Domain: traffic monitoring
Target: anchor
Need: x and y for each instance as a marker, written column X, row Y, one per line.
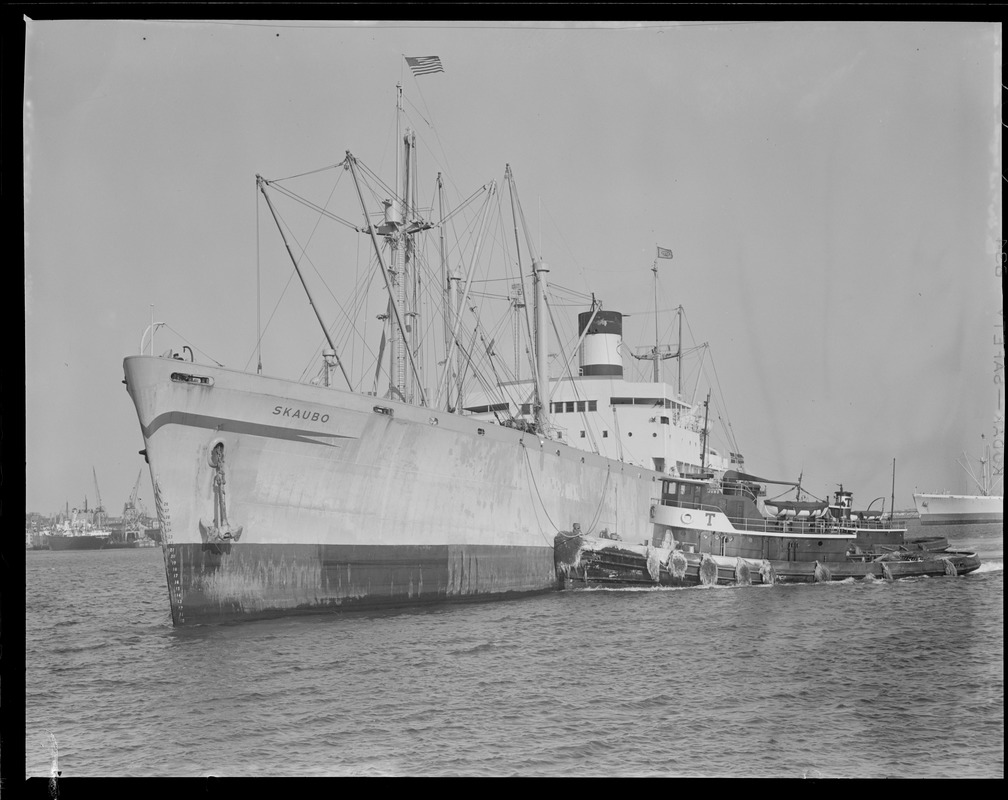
column 219, row 534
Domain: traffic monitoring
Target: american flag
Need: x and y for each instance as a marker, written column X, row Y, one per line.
column 424, row 65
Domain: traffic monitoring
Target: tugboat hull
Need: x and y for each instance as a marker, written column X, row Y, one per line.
column 586, row 561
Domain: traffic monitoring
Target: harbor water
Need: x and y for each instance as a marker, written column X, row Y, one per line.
column 854, row 679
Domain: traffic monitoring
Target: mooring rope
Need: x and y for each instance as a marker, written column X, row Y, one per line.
column 531, row 479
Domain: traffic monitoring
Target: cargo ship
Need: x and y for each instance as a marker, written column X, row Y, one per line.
column 77, row 531
column 277, row 496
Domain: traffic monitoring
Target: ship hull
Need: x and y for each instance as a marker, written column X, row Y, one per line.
column 950, row 509
column 77, row 542
column 276, row 497
column 225, row 583
column 584, row 562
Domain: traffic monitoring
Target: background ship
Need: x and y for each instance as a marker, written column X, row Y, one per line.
column 944, row 508
column 93, row 529
column 79, row 529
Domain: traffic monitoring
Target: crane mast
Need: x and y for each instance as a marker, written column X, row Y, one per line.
column 99, row 512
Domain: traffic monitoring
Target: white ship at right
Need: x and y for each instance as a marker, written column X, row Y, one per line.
column 943, row 508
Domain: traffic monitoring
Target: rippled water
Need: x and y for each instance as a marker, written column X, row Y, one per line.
column 869, row 679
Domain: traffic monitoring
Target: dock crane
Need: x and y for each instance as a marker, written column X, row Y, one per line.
column 131, row 513
column 99, row 512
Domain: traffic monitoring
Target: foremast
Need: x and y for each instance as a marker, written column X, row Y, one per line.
column 541, row 391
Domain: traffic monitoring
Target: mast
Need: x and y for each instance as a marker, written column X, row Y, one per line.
column 519, row 288
column 539, row 270
column 892, row 499
column 679, row 355
column 262, row 183
column 453, row 345
column 409, row 303
column 455, row 311
column 986, row 468
column 540, row 400
column 657, row 355
column 398, row 133
column 448, row 280
column 395, row 220
column 518, row 303
column 399, row 326
column 703, row 436
column 657, row 368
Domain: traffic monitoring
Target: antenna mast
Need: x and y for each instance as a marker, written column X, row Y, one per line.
column 657, row 357
column 703, row 437
column 892, row 500
column 679, row 354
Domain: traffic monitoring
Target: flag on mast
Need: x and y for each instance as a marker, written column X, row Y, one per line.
column 664, row 252
column 424, row 65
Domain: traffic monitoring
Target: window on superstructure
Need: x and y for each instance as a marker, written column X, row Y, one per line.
column 580, row 405
column 593, row 405
column 605, row 434
column 664, row 420
column 526, row 408
column 582, row 434
column 488, row 409
column 570, row 406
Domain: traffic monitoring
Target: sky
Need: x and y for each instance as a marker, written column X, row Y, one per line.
column 831, row 193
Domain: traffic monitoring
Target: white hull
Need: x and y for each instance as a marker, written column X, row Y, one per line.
column 340, row 500
column 953, row 509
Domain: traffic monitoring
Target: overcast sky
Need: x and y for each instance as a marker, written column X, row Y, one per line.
column 831, row 192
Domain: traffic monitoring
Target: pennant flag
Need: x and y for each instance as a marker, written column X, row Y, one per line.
column 424, row 65
column 664, row 252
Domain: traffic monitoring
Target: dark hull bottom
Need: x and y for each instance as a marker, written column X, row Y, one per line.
column 614, row 567
column 77, row 542
column 959, row 519
column 219, row 582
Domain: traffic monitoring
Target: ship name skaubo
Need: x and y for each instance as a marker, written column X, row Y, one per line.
column 297, row 413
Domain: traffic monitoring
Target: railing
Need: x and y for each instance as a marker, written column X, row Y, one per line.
column 796, row 527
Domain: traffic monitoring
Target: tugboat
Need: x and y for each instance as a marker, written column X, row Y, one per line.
column 710, row 530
